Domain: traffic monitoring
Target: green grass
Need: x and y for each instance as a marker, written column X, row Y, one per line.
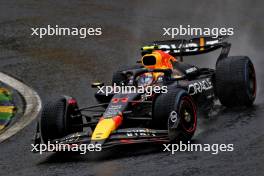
column 4, row 97
column 5, row 116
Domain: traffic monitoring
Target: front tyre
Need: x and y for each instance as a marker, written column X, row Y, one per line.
column 59, row 118
column 176, row 112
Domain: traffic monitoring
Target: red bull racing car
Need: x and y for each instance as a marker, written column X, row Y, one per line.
column 167, row 115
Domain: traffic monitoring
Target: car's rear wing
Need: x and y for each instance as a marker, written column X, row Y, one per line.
column 183, row 47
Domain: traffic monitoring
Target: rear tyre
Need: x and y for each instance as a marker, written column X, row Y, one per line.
column 176, row 112
column 118, row 78
column 57, row 119
column 235, row 81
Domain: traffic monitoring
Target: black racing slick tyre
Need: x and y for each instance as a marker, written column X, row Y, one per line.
column 57, row 120
column 235, row 81
column 176, row 112
column 118, row 78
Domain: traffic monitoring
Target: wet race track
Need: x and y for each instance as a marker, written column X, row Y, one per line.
column 67, row 65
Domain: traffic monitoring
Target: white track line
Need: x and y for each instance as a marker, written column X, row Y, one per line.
column 32, row 106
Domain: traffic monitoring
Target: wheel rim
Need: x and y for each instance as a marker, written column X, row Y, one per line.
column 187, row 114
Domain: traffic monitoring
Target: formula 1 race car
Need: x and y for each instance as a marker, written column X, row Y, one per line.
column 167, row 115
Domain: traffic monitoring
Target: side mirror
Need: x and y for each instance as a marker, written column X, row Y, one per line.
column 96, row 84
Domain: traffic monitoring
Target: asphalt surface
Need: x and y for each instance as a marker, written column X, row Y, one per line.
column 67, row 65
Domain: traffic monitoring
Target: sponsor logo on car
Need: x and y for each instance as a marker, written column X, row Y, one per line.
column 199, row 86
column 190, row 70
column 140, row 132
